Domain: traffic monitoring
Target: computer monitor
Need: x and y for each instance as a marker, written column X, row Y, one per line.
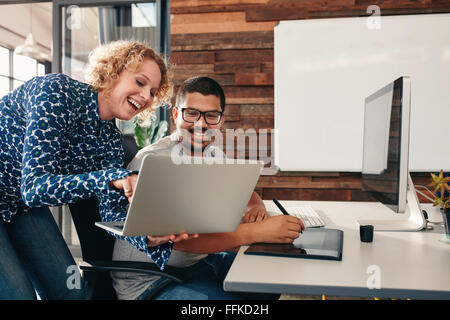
column 385, row 172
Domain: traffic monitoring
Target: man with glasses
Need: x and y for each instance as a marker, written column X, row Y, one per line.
column 198, row 113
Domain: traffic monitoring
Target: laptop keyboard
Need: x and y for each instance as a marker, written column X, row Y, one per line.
column 308, row 215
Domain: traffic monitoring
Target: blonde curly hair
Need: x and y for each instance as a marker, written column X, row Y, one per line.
column 107, row 61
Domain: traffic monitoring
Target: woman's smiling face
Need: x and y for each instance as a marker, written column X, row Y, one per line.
column 132, row 93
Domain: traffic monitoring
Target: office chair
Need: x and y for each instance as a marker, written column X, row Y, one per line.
column 97, row 248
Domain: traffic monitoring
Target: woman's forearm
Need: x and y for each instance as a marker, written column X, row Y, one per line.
column 52, row 189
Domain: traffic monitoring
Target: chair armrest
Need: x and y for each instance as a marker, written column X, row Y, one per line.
column 175, row 274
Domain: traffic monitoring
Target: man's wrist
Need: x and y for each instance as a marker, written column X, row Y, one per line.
column 245, row 234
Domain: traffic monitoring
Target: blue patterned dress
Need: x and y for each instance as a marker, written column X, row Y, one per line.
column 55, row 149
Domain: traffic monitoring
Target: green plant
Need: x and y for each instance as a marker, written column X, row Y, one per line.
column 150, row 130
column 441, row 189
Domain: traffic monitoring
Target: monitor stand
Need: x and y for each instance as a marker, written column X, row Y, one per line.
column 411, row 220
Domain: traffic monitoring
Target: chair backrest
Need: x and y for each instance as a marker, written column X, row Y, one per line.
column 95, row 243
column 130, row 148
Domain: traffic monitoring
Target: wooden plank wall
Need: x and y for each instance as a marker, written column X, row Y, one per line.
column 232, row 41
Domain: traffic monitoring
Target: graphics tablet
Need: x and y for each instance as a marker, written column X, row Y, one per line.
column 322, row 243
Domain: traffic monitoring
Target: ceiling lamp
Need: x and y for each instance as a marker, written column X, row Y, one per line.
column 30, row 48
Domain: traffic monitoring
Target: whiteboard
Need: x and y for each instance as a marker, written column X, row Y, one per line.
column 325, row 68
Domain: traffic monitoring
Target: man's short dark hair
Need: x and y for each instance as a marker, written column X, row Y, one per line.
column 204, row 85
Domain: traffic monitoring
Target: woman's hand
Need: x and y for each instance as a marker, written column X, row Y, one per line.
column 156, row 241
column 126, row 184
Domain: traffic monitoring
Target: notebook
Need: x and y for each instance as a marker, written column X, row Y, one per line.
column 324, row 244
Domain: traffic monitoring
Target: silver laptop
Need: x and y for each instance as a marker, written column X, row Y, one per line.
column 194, row 196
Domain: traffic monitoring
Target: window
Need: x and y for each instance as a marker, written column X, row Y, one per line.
column 4, row 71
column 16, row 69
column 82, row 27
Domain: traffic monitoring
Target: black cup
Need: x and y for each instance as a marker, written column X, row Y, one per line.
column 366, row 233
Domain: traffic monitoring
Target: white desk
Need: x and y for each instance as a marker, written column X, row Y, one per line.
column 411, row 264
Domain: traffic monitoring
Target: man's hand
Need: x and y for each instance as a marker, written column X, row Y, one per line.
column 156, row 241
column 277, row 229
column 255, row 214
column 126, row 184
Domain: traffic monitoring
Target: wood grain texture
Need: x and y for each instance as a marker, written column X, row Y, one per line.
column 216, row 22
column 189, row 6
column 255, row 55
column 309, row 3
column 222, row 41
column 256, row 122
column 223, row 79
column 256, row 110
column 254, row 79
column 249, row 92
column 274, row 14
column 310, row 182
column 192, row 68
column 307, row 194
column 244, row 100
column 237, row 67
column 192, row 57
column 212, row 8
column 267, row 67
column 246, row 123
column 232, row 113
column 361, row 12
column 395, row 3
column 199, row 3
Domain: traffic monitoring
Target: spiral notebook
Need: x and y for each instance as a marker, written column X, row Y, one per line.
column 322, row 243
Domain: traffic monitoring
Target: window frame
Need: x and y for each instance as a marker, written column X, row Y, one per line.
column 11, row 77
column 163, row 28
column 163, row 19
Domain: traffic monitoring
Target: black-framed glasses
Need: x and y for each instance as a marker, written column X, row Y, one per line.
column 192, row 115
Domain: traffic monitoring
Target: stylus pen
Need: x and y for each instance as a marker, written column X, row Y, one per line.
column 282, row 209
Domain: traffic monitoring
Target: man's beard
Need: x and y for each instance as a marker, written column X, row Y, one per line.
column 196, row 148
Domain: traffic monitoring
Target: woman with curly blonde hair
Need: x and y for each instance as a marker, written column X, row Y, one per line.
column 58, row 145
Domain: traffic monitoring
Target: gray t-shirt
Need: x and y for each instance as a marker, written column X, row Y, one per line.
column 130, row 286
